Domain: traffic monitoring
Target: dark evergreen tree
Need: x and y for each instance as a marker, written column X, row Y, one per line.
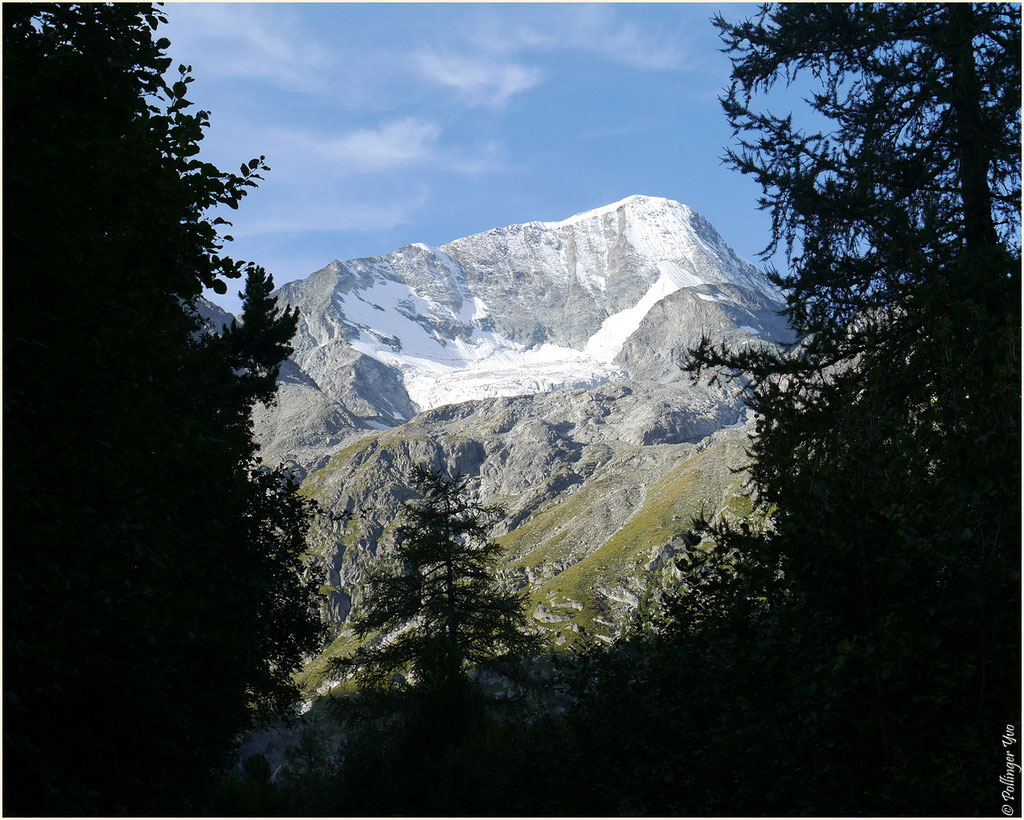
column 153, row 599
column 882, row 598
column 435, row 610
column 439, row 598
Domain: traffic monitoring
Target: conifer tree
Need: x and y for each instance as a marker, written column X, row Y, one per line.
column 887, row 454
column 439, row 601
column 154, row 596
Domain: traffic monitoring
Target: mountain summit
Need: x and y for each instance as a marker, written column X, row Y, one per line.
column 543, row 361
column 516, row 310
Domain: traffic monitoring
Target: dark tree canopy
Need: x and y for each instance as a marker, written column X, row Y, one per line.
column 887, row 456
column 439, row 596
column 154, row 599
column 921, row 163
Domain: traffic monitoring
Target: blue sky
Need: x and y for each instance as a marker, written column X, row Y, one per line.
column 386, row 124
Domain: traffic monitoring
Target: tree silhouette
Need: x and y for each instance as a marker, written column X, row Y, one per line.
column 887, row 455
column 438, row 602
column 154, row 600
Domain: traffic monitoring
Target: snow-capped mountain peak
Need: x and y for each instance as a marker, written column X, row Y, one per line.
column 634, row 202
column 518, row 309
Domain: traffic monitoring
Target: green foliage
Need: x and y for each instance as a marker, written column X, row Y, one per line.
column 887, row 586
column 154, row 599
column 436, row 612
column 439, row 597
column 853, row 646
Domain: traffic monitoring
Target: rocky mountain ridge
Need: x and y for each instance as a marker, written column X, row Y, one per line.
column 543, row 360
column 512, row 311
column 597, row 486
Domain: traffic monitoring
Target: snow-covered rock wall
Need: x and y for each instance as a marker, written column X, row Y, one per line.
column 516, row 310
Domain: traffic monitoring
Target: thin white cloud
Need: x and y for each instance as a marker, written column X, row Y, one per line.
column 598, row 28
column 331, row 215
column 480, row 80
column 629, row 46
column 401, row 143
column 493, row 57
column 489, row 158
column 589, row 28
column 261, row 42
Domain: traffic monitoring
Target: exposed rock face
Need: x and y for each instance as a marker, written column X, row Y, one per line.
column 616, row 293
column 214, row 317
column 312, row 418
column 737, row 315
column 543, row 360
column 597, row 486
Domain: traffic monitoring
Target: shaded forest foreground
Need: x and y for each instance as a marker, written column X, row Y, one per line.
column 853, row 648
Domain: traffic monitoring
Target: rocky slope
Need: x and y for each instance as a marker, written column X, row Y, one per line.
column 598, row 486
column 615, row 293
column 543, row 360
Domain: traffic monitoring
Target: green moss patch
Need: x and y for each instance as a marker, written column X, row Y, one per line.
column 315, row 673
column 702, row 483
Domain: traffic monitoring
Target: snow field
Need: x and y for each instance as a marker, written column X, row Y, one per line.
column 443, row 353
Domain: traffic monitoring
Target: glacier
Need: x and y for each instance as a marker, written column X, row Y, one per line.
column 603, row 303
column 393, row 322
column 527, row 308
